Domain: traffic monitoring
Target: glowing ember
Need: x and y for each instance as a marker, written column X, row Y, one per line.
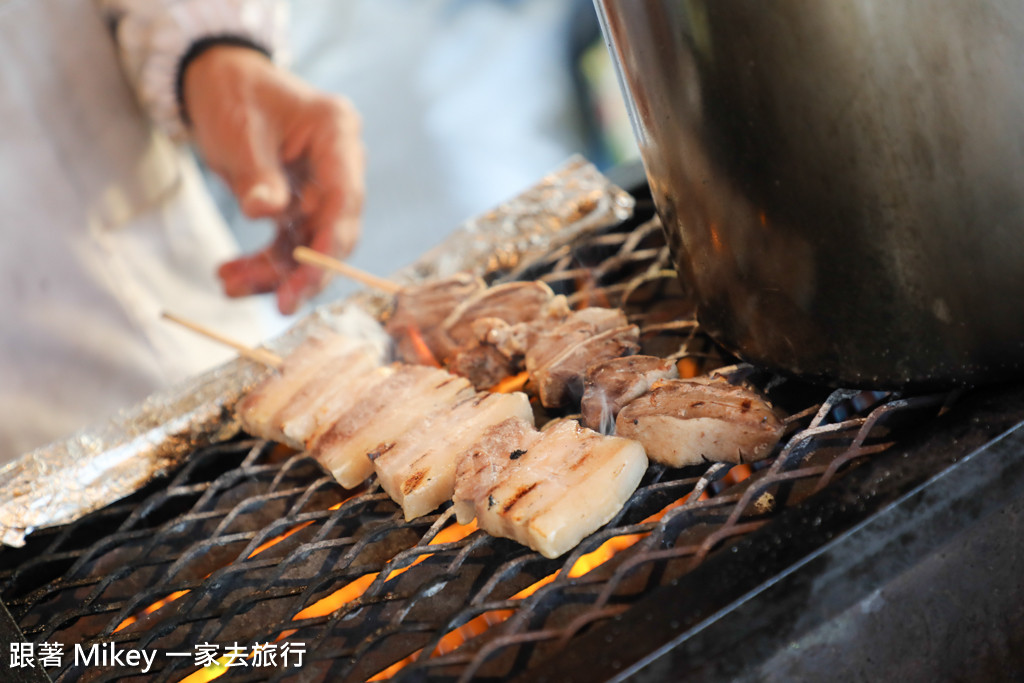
column 688, row 368
column 354, row 590
column 152, row 608
column 424, row 356
column 208, row 673
column 510, row 384
column 277, row 539
column 716, row 238
column 737, row 474
column 474, row 627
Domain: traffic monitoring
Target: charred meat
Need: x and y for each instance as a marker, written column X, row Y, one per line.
column 611, row 384
column 691, row 421
column 416, row 320
column 409, row 396
column 418, row 468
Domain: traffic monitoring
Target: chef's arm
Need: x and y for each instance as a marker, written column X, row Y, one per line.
column 208, row 71
column 157, row 38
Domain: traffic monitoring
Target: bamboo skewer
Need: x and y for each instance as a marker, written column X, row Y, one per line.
column 259, row 355
column 315, row 258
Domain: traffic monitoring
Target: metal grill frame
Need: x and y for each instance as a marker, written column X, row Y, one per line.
column 229, row 517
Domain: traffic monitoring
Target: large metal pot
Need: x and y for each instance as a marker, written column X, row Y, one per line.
column 842, row 181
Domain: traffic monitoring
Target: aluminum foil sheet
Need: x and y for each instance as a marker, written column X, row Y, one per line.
column 62, row 481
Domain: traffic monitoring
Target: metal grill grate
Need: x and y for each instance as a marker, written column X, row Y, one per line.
column 205, row 538
column 241, row 543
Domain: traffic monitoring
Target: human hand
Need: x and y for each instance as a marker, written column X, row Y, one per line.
column 288, row 152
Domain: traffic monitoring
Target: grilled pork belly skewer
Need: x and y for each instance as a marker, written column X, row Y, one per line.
column 410, row 395
column 292, row 403
column 431, row 437
column 418, row 314
column 418, row 469
column 692, row 421
column 547, row 490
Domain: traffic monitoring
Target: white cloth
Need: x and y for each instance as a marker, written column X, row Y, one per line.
column 105, row 224
column 154, row 35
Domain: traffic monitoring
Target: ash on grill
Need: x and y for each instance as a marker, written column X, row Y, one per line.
column 249, row 543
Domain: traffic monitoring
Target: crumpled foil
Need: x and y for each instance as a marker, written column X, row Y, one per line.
column 60, row 482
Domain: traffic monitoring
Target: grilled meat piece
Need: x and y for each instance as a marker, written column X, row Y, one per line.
column 611, row 384
column 264, row 409
column 577, row 327
column 512, row 302
column 419, row 312
column 418, row 469
column 514, row 340
column 344, row 391
column 482, row 364
column 560, row 355
column 498, row 348
column 560, row 382
column 411, row 394
column 547, row 490
column 690, row 421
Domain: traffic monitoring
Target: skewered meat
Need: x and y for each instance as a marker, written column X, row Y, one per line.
column 513, row 302
column 560, row 381
column 263, row 410
column 418, row 469
column 411, row 394
column 689, row 421
column 342, row 393
column 498, row 347
column 611, row 384
column 577, row 327
column 483, row 364
column 421, row 310
column 514, row 340
column 547, row 490
column 558, row 356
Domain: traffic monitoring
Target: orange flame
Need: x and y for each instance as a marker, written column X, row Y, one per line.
column 716, row 238
column 150, row 609
column 511, row 383
column 688, row 367
column 474, row 627
column 424, row 356
column 353, row 590
column 737, row 474
column 208, row 673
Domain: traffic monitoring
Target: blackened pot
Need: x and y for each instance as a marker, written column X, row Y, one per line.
column 841, row 181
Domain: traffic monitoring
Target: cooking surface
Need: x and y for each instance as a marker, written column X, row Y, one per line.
column 244, row 538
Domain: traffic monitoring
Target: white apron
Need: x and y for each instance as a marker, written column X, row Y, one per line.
column 104, row 224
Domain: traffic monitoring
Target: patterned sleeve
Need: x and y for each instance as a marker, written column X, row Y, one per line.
column 157, row 37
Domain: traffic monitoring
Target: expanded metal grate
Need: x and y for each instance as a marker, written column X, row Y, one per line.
column 251, row 544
